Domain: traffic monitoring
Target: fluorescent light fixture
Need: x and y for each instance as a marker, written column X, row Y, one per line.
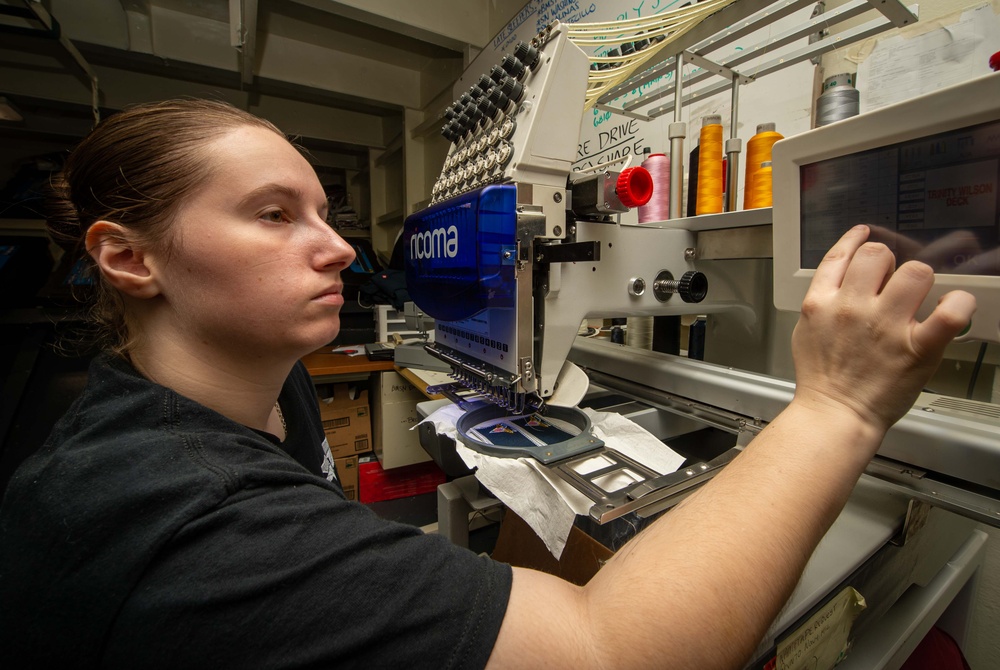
column 8, row 112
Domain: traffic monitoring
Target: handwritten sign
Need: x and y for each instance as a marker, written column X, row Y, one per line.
column 822, row 641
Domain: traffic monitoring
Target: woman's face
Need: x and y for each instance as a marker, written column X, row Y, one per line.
column 252, row 263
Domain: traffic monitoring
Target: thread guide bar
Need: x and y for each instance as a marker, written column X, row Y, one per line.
column 812, row 26
column 740, row 19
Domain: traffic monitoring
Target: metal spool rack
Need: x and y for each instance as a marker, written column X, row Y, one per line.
column 703, row 47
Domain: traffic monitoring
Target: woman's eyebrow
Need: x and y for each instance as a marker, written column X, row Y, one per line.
column 270, row 190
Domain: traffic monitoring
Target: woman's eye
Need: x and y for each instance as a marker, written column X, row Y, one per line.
column 275, row 216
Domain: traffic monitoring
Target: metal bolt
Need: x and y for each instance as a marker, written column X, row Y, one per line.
column 557, row 196
column 557, row 231
column 507, row 255
column 636, row 286
column 689, row 254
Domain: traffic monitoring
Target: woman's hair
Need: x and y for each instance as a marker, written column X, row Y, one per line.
column 135, row 169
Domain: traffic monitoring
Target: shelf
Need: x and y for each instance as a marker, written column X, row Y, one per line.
column 744, row 218
column 322, row 363
column 390, row 217
column 392, row 151
column 15, row 226
column 360, row 178
column 363, row 234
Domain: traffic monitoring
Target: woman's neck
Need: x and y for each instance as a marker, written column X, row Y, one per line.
column 241, row 387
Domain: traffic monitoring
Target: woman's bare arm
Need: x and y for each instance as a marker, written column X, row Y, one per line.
column 699, row 588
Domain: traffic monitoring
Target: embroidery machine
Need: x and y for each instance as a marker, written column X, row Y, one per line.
column 516, row 250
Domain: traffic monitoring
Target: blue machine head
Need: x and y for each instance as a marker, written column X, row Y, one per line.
column 460, row 254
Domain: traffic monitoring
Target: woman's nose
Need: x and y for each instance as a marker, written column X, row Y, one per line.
column 334, row 251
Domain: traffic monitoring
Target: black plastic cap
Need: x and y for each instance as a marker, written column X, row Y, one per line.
column 527, row 54
column 693, row 286
column 512, row 66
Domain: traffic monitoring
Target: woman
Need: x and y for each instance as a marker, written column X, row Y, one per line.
column 184, row 512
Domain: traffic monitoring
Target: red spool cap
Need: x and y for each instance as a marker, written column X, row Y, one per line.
column 634, row 187
column 995, row 61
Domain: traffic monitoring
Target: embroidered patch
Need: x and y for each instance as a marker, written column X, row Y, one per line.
column 328, row 467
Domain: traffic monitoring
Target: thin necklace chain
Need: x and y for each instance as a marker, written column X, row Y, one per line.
column 281, row 417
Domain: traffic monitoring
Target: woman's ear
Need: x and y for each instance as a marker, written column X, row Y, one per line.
column 122, row 263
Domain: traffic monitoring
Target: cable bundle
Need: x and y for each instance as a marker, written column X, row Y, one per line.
column 640, row 41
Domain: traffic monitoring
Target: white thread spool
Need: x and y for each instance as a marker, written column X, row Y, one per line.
column 640, row 332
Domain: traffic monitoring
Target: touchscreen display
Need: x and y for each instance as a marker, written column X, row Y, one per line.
column 935, row 199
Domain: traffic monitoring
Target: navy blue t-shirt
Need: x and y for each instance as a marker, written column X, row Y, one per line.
column 151, row 531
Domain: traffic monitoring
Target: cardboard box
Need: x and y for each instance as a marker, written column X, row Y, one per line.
column 376, row 484
column 517, row 544
column 346, row 421
column 347, row 474
column 393, row 415
column 392, row 387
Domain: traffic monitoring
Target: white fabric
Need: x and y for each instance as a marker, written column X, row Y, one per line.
column 546, row 503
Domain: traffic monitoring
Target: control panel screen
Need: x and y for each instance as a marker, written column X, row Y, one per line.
column 935, row 199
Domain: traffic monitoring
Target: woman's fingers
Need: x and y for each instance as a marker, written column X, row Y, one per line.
column 869, row 271
column 830, row 274
column 953, row 313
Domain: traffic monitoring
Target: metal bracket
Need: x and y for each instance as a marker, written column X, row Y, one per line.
column 895, row 12
column 574, row 252
column 457, row 393
column 712, row 66
column 917, row 512
column 921, row 486
column 530, row 224
column 652, row 494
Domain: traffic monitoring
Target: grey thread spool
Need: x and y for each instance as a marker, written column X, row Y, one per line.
column 839, row 100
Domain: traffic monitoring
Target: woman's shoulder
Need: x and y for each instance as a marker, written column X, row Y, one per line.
column 125, row 425
column 131, row 447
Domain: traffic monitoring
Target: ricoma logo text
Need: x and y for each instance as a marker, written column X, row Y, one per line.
column 436, row 243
